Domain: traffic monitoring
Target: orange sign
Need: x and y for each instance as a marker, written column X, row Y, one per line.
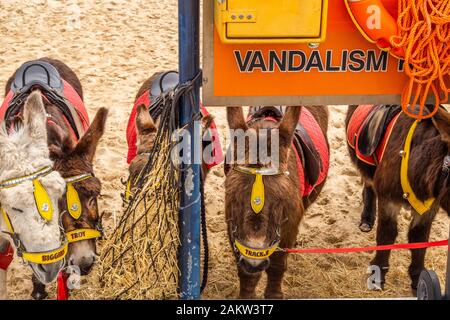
column 345, row 69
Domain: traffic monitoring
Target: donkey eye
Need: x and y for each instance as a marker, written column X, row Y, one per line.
column 92, row 201
column 17, row 210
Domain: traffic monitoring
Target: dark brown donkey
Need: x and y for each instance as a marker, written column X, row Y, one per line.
column 428, row 173
column 277, row 224
column 73, row 157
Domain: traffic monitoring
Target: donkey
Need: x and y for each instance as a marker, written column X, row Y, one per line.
column 29, row 193
column 427, row 172
column 73, row 156
column 143, row 126
column 264, row 203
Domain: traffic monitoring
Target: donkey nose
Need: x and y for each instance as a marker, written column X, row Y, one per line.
column 85, row 263
column 254, row 266
column 48, row 272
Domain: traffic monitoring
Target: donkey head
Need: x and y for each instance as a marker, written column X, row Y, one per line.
column 75, row 160
column 146, row 134
column 30, row 190
column 260, row 194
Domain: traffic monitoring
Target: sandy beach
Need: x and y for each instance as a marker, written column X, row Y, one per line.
column 113, row 46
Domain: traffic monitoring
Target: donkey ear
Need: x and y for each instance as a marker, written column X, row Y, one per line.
column 235, row 117
column 34, row 115
column 88, row 143
column 144, row 121
column 288, row 125
column 441, row 121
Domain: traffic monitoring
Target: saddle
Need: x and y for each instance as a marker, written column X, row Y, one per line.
column 303, row 143
column 163, row 83
column 374, row 127
column 45, row 77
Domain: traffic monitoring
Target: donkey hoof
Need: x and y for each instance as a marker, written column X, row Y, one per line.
column 274, row 296
column 39, row 295
column 365, row 227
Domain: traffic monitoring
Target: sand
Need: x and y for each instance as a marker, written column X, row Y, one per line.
column 114, row 45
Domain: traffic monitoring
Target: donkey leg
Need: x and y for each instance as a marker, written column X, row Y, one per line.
column 39, row 292
column 275, row 273
column 419, row 231
column 386, row 234
column 247, row 284
column 3, row 294
column 369, row 212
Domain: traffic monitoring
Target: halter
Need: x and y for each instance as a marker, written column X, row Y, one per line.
column 257, row 201
column 74, row 209
column 45, row 209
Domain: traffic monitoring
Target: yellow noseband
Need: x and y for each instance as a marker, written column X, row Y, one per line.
column 45, row 257
column 82, row 234
column 257, row 254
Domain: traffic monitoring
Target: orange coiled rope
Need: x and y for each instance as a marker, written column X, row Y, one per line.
column 424, row 35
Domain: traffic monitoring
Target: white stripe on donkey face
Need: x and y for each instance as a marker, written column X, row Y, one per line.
column 30, row 206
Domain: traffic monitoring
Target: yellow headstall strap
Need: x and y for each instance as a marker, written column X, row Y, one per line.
column 408, row 193
column 257, row 254
column 8, row 222
column 46, row 257
column 82, row 234
column 41, row 197
column 257, row 197
column 43, row 201
column 128, row 193
column 73, row 199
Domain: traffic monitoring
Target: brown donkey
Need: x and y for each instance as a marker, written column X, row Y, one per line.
column 264, row 204
column 427, row 173
column 143, row 126
column 72, row 146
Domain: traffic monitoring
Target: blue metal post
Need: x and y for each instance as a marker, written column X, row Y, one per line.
column 189, row 64
column 447, row 278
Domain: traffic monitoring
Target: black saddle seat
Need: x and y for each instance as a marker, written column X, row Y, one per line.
column 304, row 145
column 165, row 82
column 374, row 127
column 39, row 73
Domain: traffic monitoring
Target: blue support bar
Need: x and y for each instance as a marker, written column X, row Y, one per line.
column 447, row 278
column 189, row 64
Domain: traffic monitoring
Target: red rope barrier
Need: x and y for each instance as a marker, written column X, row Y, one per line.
column 399, row 246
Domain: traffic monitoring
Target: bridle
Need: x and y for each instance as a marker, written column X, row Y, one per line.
column 45, row 209
column 257, row 201
column 74, row 209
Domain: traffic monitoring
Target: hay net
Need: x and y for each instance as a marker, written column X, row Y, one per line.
column 139, row 259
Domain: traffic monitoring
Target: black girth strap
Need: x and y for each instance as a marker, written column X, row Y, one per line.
column 45, row 77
